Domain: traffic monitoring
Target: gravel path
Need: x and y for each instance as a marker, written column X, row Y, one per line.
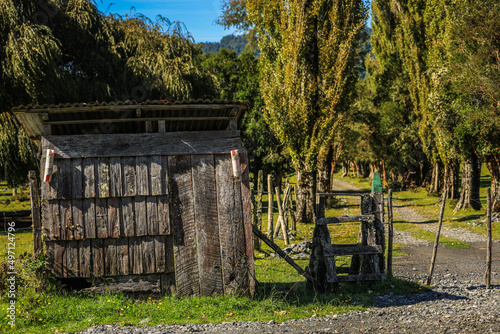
column 458, row 303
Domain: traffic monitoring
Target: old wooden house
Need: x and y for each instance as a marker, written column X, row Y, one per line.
column 143, row 196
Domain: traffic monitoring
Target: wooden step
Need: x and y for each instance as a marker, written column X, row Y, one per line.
column 352, row 250
column 344, row 219
column 357, row 278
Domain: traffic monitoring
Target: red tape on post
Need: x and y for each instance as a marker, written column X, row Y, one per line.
column 235, row 157
column 49, row 166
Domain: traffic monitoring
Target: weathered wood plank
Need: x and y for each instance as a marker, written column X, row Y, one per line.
column 127, row 222
column 163, row 215
column 183, row 225
column 142, row 176
column 47, row 224
column 89, row 218
column 63, row 178
column 135, row 255
column 116, row 180
column 128, row 284
column 50, row 255
column 155, row 173
column 207, row 227
column 89, row 178
column 345, row 219
column 152, row 215
column 59, row 254
column 104, row 145
column 247, row 221
column 110, row 259
column 129, row 175
column 103, row 178
column 85, row 256
column 54, row 220
column 169, row 254
column 77, row 178
column 97, row 257
column 114, row 217
column 122, row 256
column 67, row 220
column 148, row 255
column 101, row 214
column 159, row 244
column 72, row 259
column 141, row 221
column 353, row 250
column 231, row 227
column 78, row 225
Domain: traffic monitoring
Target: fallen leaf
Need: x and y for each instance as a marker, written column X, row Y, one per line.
column 280, row 312
column 230, row 314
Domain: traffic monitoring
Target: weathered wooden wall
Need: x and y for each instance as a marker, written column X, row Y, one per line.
column 109, row 213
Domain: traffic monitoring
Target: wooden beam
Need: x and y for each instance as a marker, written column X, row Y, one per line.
column 358, row 278
column 35, row 213
column 141, row 119
column 344, row 219
column 353, row 250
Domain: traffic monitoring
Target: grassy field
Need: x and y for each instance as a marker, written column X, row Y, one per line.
column 7, row 201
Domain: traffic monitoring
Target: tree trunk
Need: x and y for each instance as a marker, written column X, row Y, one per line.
column 471, row 178
column 494, row 168
column 435, row 184
column 359, row 169
column 345, row 168
column 14, row 194
column 306, row 194
column 450, row 180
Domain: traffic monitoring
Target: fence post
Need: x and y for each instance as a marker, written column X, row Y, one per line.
column 281, row 219
column 391, row 234
column 35, row 213
column 436, row 242
column 270, row 207
column 260, row 187
column 489, row 241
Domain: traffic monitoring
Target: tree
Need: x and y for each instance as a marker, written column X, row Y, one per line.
column 305, row 49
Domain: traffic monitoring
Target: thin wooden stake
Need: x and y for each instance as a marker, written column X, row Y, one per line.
column 281, row 216
column 256, row 241
column 260, row 188
column 291, row 211
column 391, row 234
column 284, row 210
column 436, row 242
column 270, row 207
column 487, row 275
column 35, row 213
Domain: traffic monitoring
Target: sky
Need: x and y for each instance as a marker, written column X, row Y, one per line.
column 199, row 16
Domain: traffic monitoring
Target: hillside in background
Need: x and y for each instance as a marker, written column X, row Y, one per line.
column 231, row 42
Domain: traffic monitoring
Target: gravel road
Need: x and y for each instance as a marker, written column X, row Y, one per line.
column 457, row 303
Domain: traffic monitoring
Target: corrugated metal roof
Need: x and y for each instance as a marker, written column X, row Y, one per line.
column 127, row 116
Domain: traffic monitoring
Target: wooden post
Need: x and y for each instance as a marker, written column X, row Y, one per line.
column 281, row 216
column 489, row 240
column 291, row 211
column 378, row 196
column 35, row 213
column 260, row 188
column 256, row 242
column 436, row 242
column 270, row 207
column 391, row 234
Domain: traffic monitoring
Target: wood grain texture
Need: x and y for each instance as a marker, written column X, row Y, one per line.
column 155, row 176
column 141, row 222
column 85, row 257
column 50, row 255
column 78, row 225
column 89, row 218
column 97, row 257
column 169, row 254
column 89, row 178
column 72, row 260
column 148, row 255
column 231, row 228
column 152, row 215
column 142, row 176
column 58, row 268
column 127, row 145
column 207, row 227
column 159, row 244
column 54, row 220
column 127, row 227
column 116, row 179
column 66, row 219
column 247, row 220
column 101, row 214
column 163, row 215
column 103, row 178
column 114, row 217
column 110, row 259
column 135, row 255
column 129, row 177
column 63, row 178
column 183, row 225
column 122, row 256
column 77, row 178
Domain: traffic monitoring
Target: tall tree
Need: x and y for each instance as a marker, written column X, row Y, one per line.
column 305, row 49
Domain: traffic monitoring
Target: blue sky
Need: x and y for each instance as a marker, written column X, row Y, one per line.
column 198, row 15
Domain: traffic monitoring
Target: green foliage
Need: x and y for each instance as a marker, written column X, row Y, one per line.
column 231, row 42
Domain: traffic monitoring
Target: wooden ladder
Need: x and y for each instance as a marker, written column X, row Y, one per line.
column 367, row 262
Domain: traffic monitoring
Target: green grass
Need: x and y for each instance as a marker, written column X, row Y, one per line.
column 23, row 243
column 8, row 203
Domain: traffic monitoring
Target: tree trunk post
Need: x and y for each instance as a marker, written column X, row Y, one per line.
column 256, row 241
column 489, row 240
column 270, row 207
column 436, row 242
column 390, row 234
column 260, row 188
column 291, row 211
column 35, row 213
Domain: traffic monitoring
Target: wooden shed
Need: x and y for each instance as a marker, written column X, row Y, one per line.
column 143, row 195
